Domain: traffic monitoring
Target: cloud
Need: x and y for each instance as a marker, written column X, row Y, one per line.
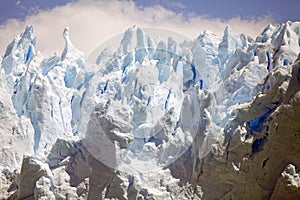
column 92, row 22
column 178, row 5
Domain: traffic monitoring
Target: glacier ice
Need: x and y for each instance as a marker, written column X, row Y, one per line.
column 139, row 103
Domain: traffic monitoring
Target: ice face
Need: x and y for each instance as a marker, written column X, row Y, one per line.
column 41, row 89
column 150, row 82
column 143, row 100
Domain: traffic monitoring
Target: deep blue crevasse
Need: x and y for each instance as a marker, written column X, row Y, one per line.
column 167, row 100
column 256, row 124
column 201, row 84
column 258, row 144
column 29, row 55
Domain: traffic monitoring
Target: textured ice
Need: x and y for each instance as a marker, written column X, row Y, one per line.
column 138, row 103
column 148, row 87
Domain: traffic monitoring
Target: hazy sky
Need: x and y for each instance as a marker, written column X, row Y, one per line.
column 94, row 21
column 279, row 10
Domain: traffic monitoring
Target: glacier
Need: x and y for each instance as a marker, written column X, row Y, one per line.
column 142, row 116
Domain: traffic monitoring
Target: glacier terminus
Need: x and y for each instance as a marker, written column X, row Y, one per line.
column 153, row 115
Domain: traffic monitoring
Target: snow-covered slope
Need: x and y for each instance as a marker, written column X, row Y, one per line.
column 145, row 119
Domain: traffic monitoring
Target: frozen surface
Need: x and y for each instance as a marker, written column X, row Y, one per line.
column 140, row 104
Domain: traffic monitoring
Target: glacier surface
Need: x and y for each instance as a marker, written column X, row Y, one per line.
column 139, row 105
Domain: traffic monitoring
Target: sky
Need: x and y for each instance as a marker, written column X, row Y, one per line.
column 92, row 22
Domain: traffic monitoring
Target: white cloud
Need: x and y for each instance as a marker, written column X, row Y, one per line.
column 178, row 5
column 93, row 22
